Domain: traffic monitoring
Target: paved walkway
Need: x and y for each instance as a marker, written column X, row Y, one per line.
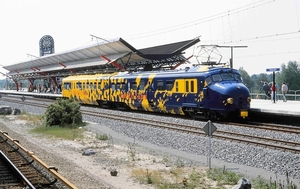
column 279, row 107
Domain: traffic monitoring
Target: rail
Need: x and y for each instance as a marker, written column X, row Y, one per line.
column 16, row 170
column 51, row 169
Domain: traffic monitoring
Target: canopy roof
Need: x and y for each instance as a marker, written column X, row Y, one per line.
column 107, row 56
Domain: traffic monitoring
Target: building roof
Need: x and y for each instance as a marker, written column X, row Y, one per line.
column 107, row 56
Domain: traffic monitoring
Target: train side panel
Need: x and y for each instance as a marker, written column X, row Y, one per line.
column 167, row 93
column 87, row 89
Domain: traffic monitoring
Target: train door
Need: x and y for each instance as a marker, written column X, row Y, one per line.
column 207, row 82
column 149, row 91
column 66, row 89
column 141, row 92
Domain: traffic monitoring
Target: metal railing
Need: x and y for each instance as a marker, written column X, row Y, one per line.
column 295, row 96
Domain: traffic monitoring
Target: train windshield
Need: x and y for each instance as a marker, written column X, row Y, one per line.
column 227, row 77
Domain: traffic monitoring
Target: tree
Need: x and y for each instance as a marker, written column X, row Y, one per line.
column 64, row 112
column 246, row 78
column 290, row 74
column 259, row 81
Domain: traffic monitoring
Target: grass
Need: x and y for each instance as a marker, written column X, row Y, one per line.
column 176, row 178
column 31, row 118
column 202, row 179
column 68, row 132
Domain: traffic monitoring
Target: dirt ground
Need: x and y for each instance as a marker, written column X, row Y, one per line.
column 127, row 159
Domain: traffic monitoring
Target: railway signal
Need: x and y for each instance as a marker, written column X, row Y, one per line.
column 209, row 128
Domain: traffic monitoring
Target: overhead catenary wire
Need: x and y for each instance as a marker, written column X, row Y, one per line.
column 201, row 20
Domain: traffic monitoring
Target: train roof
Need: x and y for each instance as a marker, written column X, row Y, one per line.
column 205, row 70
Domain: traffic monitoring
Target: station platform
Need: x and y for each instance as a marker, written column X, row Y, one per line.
column 280, row 108
column 34, row 94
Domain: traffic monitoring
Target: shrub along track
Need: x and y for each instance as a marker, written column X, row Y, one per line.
column 268, row 142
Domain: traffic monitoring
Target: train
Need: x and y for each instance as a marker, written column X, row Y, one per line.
column 209, row 92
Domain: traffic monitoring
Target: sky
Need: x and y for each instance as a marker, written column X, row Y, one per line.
column 265, row 33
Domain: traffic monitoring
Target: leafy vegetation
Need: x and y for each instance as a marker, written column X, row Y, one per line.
column 289, row 74
column 64, row 112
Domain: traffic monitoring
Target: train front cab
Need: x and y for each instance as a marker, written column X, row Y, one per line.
column 226, row 95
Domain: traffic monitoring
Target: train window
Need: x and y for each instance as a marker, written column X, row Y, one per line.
column 187, row 86
column 123, row 86
column 227, row 76
column 79, row 85
column 238, row 77
column 169, row 85
column 217, row 77
column 66, row 85
column 95, row 85
column 105, row 85
column 134, row 86
column 142, row 85
column 176, row 86
column 113, row 86
column 192, row 86
column 208, row 80
column 99, row 85
column 160, row 85
column 91, row 86
column 118, row 86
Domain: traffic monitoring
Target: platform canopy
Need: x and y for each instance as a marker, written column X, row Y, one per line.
column 105, row 57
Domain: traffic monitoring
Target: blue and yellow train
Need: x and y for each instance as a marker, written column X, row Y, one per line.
column 200, row 91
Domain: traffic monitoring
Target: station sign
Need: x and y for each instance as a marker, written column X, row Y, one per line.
column 273, row 69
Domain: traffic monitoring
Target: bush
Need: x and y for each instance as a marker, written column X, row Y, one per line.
column 64, row 112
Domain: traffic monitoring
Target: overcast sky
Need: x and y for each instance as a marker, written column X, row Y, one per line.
column 269, row 28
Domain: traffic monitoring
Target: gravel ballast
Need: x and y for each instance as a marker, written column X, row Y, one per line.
column 248, row 160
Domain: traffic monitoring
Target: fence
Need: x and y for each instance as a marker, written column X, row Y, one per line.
column 289, row 96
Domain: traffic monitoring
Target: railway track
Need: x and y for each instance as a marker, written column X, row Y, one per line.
column 197, row 130
column 10, row 176
column 268, row 142
column 23, row 169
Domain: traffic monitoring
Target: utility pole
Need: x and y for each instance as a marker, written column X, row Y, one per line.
column 232, row 47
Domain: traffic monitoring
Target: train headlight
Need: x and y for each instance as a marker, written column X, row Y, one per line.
column 249, row 99
column 229, row 101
